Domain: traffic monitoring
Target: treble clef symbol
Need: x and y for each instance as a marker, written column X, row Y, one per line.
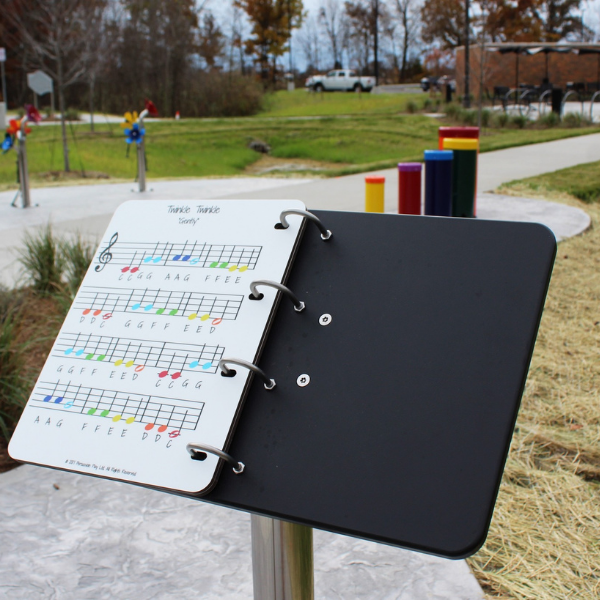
column 106, row 255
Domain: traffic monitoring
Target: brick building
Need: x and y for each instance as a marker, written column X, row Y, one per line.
column 507, row 64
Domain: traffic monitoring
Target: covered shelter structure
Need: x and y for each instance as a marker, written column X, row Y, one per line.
column 523, row 65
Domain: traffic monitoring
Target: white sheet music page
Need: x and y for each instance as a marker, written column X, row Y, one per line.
column 133, row 374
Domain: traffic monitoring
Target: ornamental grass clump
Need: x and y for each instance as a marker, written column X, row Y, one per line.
column 53, row 266
column 78, row 256
column 43, row 262
column 13, row 385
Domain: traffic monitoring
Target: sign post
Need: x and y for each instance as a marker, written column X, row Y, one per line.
column 40, row 84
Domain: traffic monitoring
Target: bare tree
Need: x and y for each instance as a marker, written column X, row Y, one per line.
column 236, row 39
column 409, row 24
column 211, row 41
column 55, row 38
column 333, row 21
column 309, row 39
column 96, row 44
column 390, row 32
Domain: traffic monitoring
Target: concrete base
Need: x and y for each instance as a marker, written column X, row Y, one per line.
column 71, row 536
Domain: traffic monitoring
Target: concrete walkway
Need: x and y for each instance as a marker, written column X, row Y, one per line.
column 69, row 536
column 87, row 209
column 495, row 168
column 66, row 536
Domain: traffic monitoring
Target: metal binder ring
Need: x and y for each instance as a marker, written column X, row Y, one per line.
column 193, row 449
column 325, row 233
column 269, row 383
column 256, row 295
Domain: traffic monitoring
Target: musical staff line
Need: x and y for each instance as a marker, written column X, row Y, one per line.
column 172, row 359
column 151, row 411
column 102, row 301
column 131, row 256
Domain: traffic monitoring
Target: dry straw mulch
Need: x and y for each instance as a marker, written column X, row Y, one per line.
column 544, row 542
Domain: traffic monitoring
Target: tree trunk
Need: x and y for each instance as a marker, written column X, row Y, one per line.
column 404, row 57
column 166, row 83
column 63, row 110
column 92, row 81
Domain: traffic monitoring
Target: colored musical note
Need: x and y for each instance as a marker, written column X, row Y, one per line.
column 130, row 267
column 106, row 255
column 150, row 411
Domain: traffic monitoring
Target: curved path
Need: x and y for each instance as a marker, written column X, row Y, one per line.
column 69, row 536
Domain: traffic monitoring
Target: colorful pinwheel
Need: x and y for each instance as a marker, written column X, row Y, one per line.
column 8, row 143
column 151, row 108
column 134, row 134
column 32, row 113
column 14, row 126
column 131, row 128
column 130, row 119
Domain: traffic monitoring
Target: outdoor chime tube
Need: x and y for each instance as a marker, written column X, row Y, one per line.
column 141, row 155
column 22, row 164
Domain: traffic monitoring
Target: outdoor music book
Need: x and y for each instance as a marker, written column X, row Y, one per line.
column 398, row 384
column 133, row 375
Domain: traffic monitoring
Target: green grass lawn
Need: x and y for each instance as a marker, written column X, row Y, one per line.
column 377, row 135
column 301, row 103
column 582, row 181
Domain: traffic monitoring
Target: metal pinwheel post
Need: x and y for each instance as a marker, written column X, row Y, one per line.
column 135, row 133
column 22, row 164
column 16, row 133
column 141, row 154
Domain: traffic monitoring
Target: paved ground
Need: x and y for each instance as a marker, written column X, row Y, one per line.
column 66, row 536
column 69, row 536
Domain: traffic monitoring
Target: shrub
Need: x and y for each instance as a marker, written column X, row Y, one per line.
column 453, row 111
column 43, row 261
column 486, row 117
column 520, row 121
column 575, row 120
column 72, row 114
column 412, row 107
column 550, row 119
column 501, row 119
column 78, row 256
column 13, row 388
column 469, row 117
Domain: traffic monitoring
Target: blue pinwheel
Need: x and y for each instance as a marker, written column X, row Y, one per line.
column 8, row 143
column 134, row 134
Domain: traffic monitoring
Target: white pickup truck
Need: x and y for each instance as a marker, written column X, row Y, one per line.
column 340, row 81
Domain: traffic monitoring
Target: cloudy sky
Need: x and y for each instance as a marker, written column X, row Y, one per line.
column 222, row 10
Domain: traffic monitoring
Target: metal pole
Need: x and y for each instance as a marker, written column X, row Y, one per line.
column 4, row 85
column 290, row 35
column 141, row 167
column 376, row 44
column 282, row 560
column 141, row 155
column 467, row 98
column 23, row 168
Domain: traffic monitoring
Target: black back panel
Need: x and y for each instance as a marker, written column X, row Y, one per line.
column 402, row 433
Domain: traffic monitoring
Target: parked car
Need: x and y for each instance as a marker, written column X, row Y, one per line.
column 437, row 83
column 344, row 80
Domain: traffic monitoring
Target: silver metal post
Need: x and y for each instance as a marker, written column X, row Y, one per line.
column 141, row 155
column 282, row 560
column 141, row 167
column 23, row 168
column 4, row 99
